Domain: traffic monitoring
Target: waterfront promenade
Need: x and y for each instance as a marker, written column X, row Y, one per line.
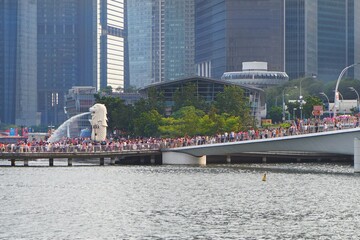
column 145, row 150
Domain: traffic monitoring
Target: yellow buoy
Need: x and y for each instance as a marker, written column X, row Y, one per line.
column 264, row 177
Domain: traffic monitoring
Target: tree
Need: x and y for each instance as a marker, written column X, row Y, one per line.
column 308, row 107
column 119, row 115
column 188, row 96
column 148, row 124
column 233, row 102
column 275, row 114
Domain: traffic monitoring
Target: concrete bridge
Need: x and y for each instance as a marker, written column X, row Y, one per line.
column 334, row 143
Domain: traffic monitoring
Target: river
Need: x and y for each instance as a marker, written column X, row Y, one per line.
column 297, row 201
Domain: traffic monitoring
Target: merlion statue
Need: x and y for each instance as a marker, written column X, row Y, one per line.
column 98, row 122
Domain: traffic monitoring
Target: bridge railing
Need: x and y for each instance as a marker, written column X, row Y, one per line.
column 79, row 148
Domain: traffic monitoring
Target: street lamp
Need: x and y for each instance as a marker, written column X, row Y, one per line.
column 357, row 94
column 301, row 101
column 327, row 98
column 336, row 98
column 294, row 109
column 283, row 105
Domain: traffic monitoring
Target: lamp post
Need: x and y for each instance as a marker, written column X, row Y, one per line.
column 301, row 101
column 328, row 101
column 357, row 100
column 283, row 105
column 336, row 97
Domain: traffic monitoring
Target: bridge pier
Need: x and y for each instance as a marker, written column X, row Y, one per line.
column 228, row 159
column 263, row 159
column 356, row 155
column 112, row 161
column 69, row 162
column 12, row 162
column 174, row 158
column 51, row 162
column 102, row 161
column 26, row 162
column 152, row 160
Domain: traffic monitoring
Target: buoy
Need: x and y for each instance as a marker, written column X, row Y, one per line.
column 264, row 177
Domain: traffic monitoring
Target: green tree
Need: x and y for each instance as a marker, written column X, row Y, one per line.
column 189, row 120
column 148, row 124
column 119, row 115
column 275, row 114
column 188, row 96
column 233, row 102
column 308, row 107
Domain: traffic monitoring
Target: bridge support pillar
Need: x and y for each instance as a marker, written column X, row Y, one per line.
column 12, row 162
column 26, row 162
column 142, row 160
column 102, row 161
column 356, row 155
column 174, row 158
column 228, row 159
column 263, row 159
column 112, row 161
column 51, row 162
column 152, row 159
column 69, row 162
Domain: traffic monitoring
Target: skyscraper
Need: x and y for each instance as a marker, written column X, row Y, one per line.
column 18, row 62
column 321, row 38
column 301, row 54
column 230, row 32
column 110, row 40
column 161, row 40
column 80, row 43
column 335, row 37
column 61, row 60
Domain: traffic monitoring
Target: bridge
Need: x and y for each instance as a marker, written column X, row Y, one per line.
column 333, row 143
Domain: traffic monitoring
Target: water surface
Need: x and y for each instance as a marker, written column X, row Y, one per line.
column 298, row 201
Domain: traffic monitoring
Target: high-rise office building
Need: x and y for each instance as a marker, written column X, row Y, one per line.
column 18, row 103
column 63, row 54
column 301, row 38
column 161, row 40
column 230, row 32
column 111, row 41
column 321, row 38
column 335, row 37
column 80, row 43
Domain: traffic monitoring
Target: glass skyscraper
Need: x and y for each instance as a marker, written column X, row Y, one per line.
column 301, row 38
column 110, row 39
column 18, row 99
column 335, row 37
column 161, row 40
column 230, row 32
column 321, row 38
column 80, row 43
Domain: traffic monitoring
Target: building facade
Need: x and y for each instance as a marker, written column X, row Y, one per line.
column 161, row 40
column 65, row 54
column 110, row 43
column 256, row 74
column 80, row 43
column 208, row 88
column 18, row 63
column 229, row 32
column 321, row 38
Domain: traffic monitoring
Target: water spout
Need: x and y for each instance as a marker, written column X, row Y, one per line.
column 63, row 129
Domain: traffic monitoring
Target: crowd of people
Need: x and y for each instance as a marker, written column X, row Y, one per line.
column 116, row 143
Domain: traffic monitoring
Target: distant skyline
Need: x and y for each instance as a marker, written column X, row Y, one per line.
column 49, row 46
